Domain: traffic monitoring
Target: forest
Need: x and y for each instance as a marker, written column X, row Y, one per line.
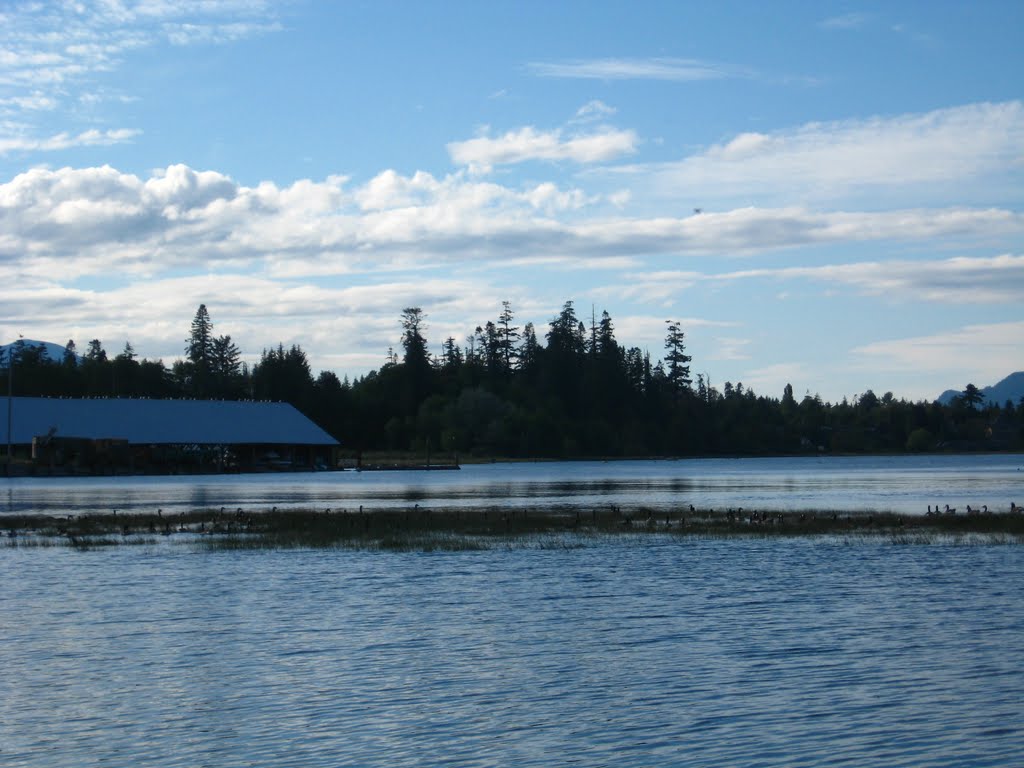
column 508, row 392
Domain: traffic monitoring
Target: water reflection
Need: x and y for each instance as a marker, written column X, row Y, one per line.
column 900, row 484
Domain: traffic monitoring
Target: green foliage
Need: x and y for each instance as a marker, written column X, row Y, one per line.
column 920, row 440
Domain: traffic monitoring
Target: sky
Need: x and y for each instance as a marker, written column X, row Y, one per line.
column 827, row 195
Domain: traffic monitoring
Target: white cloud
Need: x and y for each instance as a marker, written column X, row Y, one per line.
column 657, row 287
column 90, row 138
column 846, row 21
column 664, row 68
column 949, row 150
column 730, row 348
column 959, row 280
column 29, row 102
column 483, row 152
column 983, row 352
column 594, row 110
column 207, row 34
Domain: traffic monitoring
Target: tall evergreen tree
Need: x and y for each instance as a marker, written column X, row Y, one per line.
column 199, row 346
column 678, row 373
column 70, row 356
column 508, row 337
column 566, row 334
column 489, row 345
column 125, row 372
column 199, row 349
column 283, row 375
column 604, row 340
column 415, row 345
column 96, row 370
column 225, row 368
column 417, row 371
column 451, row 355
column 528, row 348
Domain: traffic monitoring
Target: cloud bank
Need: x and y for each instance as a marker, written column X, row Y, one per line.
column 94, row 220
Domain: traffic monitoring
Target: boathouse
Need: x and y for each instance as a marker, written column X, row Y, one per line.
column 158, row 436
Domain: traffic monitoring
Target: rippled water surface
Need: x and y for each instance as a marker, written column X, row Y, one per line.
column 639, row 652
column 904, row 484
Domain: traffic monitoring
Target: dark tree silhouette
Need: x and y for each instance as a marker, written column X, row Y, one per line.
column 678, row 361
column 972, row 396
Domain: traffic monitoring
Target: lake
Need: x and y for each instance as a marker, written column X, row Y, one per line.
column 646, row 651
column 903, row 484
column 631, row 650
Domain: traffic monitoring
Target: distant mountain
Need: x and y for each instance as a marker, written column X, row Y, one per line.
column 1011, row 388
column 53, row 351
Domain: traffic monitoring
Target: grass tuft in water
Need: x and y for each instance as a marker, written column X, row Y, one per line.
column 423, row 529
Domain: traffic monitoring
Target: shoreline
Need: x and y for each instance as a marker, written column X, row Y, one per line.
column 385, row 461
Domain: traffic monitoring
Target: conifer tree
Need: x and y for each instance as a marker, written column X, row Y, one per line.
column 508, row 337
column 199, row 349
column 70, row 357
column 678, row 373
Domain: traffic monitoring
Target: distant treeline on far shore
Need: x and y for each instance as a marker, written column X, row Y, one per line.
column 575, row 392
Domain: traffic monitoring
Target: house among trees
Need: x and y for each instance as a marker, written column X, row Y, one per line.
column 108, row 435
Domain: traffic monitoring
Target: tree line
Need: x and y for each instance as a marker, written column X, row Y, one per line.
column 509, row 391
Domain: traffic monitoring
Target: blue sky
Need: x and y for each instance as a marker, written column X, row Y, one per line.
column 823, row 194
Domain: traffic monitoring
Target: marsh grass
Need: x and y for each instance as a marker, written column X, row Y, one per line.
column 423, row 529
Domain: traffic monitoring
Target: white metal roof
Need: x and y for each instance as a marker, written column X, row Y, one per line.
column 154, row 422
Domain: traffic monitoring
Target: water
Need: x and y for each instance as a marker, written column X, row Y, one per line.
column 648, row 651
column 904, row 484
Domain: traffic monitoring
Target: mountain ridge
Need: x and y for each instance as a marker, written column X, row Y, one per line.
column 1010, row 388
column 54, row 352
